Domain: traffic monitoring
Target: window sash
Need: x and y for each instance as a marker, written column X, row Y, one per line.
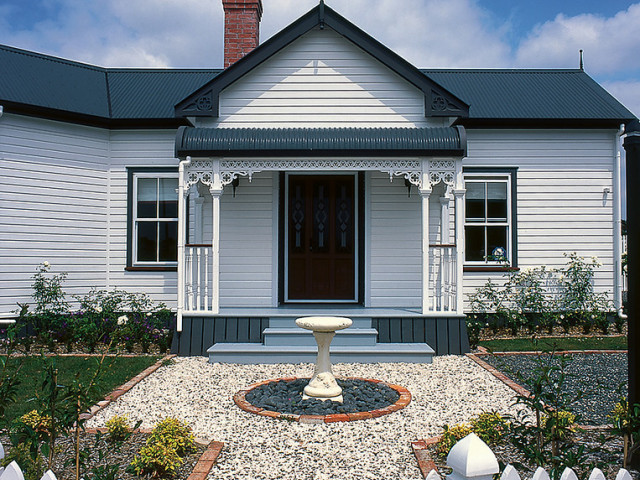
column 487, row 223
column 170, row 224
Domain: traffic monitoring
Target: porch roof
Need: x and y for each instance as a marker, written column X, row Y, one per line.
column 315, row 142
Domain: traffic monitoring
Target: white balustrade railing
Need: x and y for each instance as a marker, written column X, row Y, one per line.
column 442, row 278
column 472, row 459
column 197, row 278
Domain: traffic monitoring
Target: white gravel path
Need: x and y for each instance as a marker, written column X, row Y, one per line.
column 448, row 391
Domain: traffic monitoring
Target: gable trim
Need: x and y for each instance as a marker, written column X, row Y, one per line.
column 439, row 102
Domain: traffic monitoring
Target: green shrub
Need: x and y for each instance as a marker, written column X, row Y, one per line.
column 450, row 436
column 558, row 425
column 118, row 427
column 490, row 426
column 157, row 459
column 36, row 421
column 172, row 431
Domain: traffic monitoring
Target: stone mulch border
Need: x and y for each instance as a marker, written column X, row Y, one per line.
column 403, row 401
column 122, row 389
column 209, row 456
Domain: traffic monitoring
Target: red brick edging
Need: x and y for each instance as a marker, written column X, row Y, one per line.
column 403, row 401
column 206, row 462
column 122, row 389
column 520, row 390
column 421, row 452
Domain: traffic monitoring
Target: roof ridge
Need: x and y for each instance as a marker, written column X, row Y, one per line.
column 52, row 58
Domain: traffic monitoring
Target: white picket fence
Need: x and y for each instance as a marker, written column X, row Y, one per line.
column 13, row 471
column 472, row 459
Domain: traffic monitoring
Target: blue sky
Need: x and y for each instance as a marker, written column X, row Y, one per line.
column 428, row 33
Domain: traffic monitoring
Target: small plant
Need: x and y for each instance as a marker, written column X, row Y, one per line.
column 157, row 459
column 118, row 427
column 170, row 440
column 36, row 421
column 558, row 425
column 173, row 431
column 474, row 328
column 450, row 436
column 625, row 421
column 490, row 426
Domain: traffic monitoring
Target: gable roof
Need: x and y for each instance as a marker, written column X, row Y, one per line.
column 37, row 84
column 438, row 101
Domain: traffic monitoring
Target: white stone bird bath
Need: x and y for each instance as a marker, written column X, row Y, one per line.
column 323, row 385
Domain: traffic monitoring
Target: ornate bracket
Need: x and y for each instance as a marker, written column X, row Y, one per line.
column 442, row 171
column 229, row 176
column 199, row 171
column 413, row 176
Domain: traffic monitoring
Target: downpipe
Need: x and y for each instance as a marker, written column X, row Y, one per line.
column 617, row 223
column 181, row 238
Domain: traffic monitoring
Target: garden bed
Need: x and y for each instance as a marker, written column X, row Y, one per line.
column 120, row 456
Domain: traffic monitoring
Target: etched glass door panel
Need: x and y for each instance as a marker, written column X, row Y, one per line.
column 321, row 238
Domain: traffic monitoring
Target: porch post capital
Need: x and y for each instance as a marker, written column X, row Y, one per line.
column 459, row 192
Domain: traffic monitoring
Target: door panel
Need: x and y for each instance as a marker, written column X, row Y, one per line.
column 321, row 238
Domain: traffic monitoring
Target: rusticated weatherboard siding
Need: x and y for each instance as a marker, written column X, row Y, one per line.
column 562, row 175
column 136, row 148
column 53, row 205
column 322, row 80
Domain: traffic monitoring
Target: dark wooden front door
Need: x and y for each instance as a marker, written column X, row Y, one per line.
column 321, row 238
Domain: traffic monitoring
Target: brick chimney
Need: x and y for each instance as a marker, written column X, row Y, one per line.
column 241, row 28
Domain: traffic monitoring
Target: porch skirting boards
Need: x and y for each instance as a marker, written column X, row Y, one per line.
column 277, row 339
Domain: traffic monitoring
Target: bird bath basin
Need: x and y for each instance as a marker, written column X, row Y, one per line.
column 323, row 385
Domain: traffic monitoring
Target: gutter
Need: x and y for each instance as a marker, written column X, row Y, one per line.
column 617, row 225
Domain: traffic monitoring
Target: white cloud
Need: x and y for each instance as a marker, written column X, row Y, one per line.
column 609, row 44
column 627, row 92
column 428, row 33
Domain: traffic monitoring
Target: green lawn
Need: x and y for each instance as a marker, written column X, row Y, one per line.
column 555, row 343
column 116, row 371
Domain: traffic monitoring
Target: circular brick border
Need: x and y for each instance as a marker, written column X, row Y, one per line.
column 403, row 401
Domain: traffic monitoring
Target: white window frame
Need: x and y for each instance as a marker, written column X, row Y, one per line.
column 490, row 177
column 135, row 221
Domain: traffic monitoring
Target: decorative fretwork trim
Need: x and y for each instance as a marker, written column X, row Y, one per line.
column 411, row 169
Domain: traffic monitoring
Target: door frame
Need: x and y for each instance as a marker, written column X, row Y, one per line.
column 283, row 244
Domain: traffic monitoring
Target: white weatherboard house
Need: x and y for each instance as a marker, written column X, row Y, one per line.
column 318, row 173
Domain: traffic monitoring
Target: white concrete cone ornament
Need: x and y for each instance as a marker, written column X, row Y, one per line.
column 323, row 385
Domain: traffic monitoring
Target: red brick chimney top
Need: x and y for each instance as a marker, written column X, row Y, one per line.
column 241, row 28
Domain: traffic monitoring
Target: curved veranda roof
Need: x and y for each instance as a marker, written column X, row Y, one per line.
column 314, row 142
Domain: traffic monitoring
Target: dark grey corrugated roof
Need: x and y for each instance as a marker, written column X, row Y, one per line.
column 49, row 86
column 37, row 81
column 531, row 94
column 317, row 141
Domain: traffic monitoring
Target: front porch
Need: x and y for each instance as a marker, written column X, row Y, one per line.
column 386, row 254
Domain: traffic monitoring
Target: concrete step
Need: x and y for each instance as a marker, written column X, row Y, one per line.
column 255, row 353
column 298, row 337
column 290, row 322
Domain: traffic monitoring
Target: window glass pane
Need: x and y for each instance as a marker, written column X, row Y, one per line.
column 168, row 241
column 474, row 243
column 497, row 201
column 168, row 206
column 147, row 241
column 496, row 242
column 474, row 201
column 147, row 196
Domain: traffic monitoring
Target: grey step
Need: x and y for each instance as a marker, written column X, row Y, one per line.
column 255, row 353
column 290, row 322
column 299, row 337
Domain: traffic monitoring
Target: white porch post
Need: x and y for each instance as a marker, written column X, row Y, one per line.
column 216, row 191
column 445, row 221
column 425, row 192
column 199, row 219
column 182, row 215
column 459, row 193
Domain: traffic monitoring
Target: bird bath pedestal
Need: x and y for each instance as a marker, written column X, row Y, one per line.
column 323, row 385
